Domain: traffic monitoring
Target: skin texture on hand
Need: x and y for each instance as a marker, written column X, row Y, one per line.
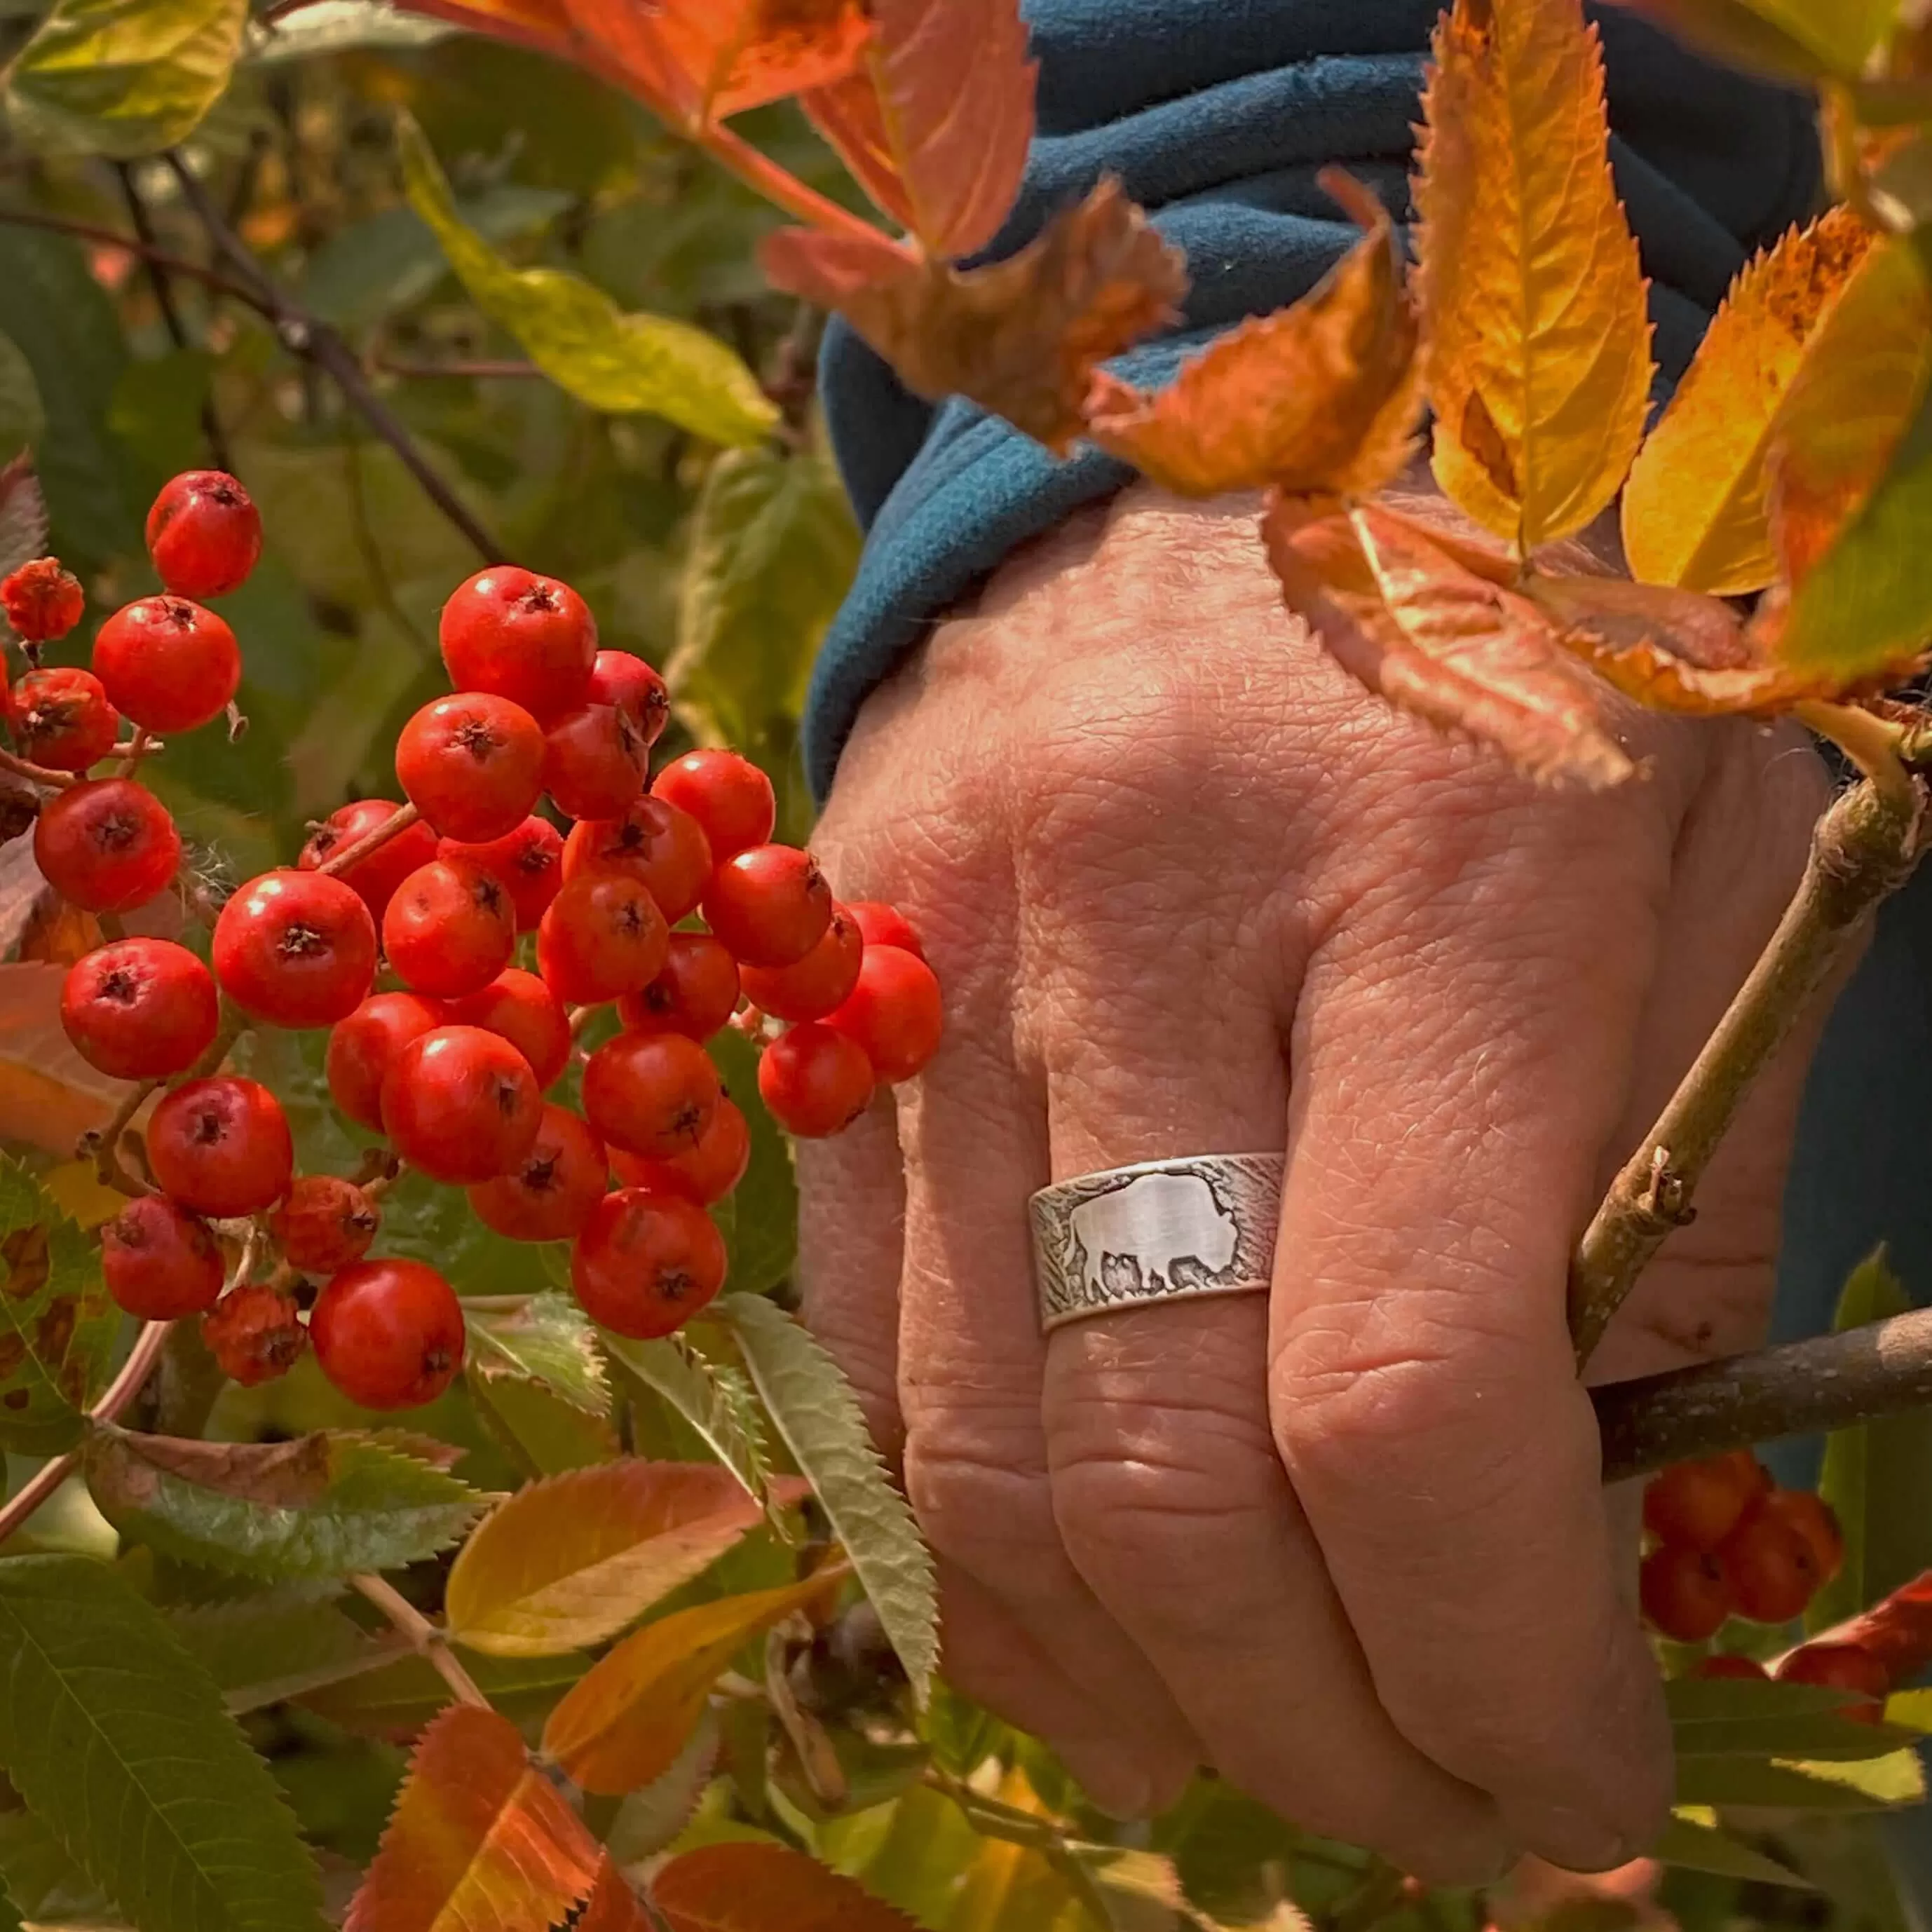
column 1190, row 888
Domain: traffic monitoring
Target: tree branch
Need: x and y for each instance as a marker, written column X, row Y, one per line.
column 424, row 1638
column 1863, row 849
column 155, row 258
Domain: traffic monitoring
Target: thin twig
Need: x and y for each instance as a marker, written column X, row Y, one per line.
column 483, row 369
column 157, row 258
column 784, row 189
column 398, row 821
column 39, row 775
column 232, row 1024
column 424, row 1638
column 106, row 1141
column 1863, row 849
column 140, row 745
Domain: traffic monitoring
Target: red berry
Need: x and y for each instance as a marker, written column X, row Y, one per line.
column 61, row 719
column 694, row 993
column 204, row 534
column 1842, row 1667
column 646, row 1263
column 362, row 1048
column 255, row 1333
column 450, row 929
column 1773, row 1573
column 727, row 795
column 388, row 1334
column 815, row 1081
column 894, row 1015
column 653, row 842
column 819, row 983
column 107, row 844
column 295, row 949
column 530, row 639
column 517, row 1007
column 325, row 1223
column 594, row 762
column 627, row 682
column 882, row 925
column 770, row 904
column 1813, row 1519
column 462, row 1104
column 472, row 764
column 139, row 1008
column 529, row 861
column 651, row 1094
column 221, row 1147
column 160, row 1261
column 602, row 936
column 1699, row 1504
column 1685, row 1593
column 43, row 602
column 551, row 1195
column 167, row 664
column 377, row 876
column 707, row 1172
column 1741, row 1668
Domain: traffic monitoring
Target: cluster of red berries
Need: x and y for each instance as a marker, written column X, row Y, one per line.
column 451, row 1065
column 1725, row 1542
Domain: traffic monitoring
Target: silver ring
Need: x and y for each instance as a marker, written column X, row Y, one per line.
column 1159, row 1231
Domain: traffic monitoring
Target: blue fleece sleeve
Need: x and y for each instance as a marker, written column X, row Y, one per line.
column 1218, row 114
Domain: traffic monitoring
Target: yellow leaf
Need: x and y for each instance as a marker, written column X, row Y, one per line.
column 1012, row 1887
column 1694, row 512
column 1538, row 344
column 1319, row 397
column 566, row 1563
column 624, row 1721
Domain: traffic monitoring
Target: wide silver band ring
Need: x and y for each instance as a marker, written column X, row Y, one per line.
column 1159, row 1231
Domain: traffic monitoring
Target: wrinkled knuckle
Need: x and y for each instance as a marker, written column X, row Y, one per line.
column 979, row 1502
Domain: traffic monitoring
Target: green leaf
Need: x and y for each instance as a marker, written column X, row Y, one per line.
column 123, row 78
column 266, row 1649
column 22, row 420
column 57, row 1323
column 116, row 1738
column 579, row 338
column 396, row 1701
column 322, row 1505
column 713, row 1397
column 649, row 1819
column 1734, row 1717
column 812, row 1406
column 1874, row 1784
column 42, row 1879
column 1696, row 1844
column 763, row 1236
column 550, row 1340
column 773, row 549
column 341, row 27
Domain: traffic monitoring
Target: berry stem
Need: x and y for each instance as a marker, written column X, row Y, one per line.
column 424, row 1638
column 106, row 1142
column 780, row 186
column 234, row 1024
column 1863, row 849
column 130, row 752
column 397, row 822
column 39, row 775
column 118, row 1395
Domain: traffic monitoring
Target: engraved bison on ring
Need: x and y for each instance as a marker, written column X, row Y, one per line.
column 1154, row 1233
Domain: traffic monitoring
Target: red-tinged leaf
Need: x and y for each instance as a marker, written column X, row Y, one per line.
column 1664, row 683
column 942, row 143
column 759, row 1888
column 1897, row 1629
column 1703, row 632
column 1399, row 614
column 480, row 1840
column 1022, row 337
column 624, row 1723
column 612, row 1907
column 1320, row 398
column 543, row 25
column 741, row 54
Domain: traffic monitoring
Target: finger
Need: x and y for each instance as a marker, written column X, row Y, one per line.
column 1462, row 1051
column 1167, row 1488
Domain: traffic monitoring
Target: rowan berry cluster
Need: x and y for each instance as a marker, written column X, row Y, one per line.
column 1726, row 1542
column 408, row 931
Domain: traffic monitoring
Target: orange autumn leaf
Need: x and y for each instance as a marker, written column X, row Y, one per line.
column 1533, row 302
column 1694, row 511
column 623, row 1723
column 936, row 124
column 765, row 1888
column 1401, row 615
column 1021, row 338
column 741, row 54
column 1319, row 397
column 480, row 1840
column 612, row 1907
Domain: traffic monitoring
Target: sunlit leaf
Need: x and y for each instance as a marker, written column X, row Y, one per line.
column 622, row 1725
column 117, row 1740
column 1795, row 39
column 812, row 1407
column 567, row 1563
column 123, row 78
column 1694, row 511
column 480, row 1839
column 1412, row 623
column 713, row 1397
column 1533, row 302
column 580, row 339
column 1013, row 1885
column 1022, row 337
column 764, row 1888
column 1319, row 397
column 1691, row 1841
column 340, row 27
column 1871, row 1784
column 322, row 1505
column 549, row 1340
column 1897, row 1629
column 741, row 54
column 1753, row 1717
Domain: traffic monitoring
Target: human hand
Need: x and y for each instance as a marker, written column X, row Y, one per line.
column 1190, row 890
